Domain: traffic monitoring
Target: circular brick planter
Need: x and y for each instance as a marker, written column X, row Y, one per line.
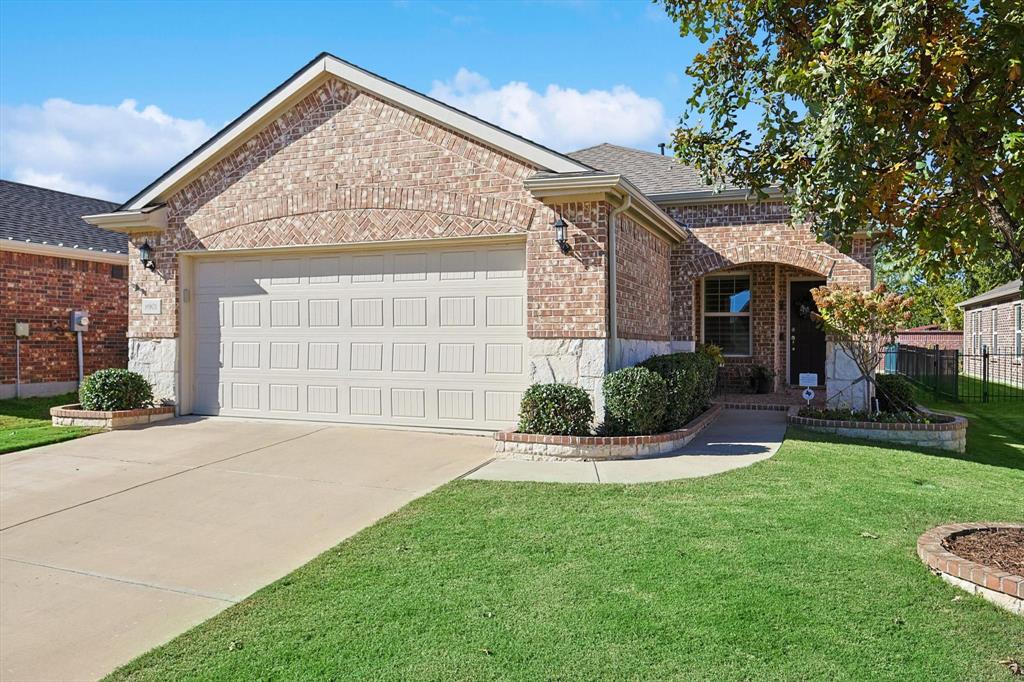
column 948, row 435
column 999, row 587
column 594, row 448
column 74, row 415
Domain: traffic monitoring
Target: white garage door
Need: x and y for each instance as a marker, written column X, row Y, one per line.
column 430, row 337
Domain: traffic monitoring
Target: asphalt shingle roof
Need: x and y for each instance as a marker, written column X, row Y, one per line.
column 651, row 173
column 1000, row 291
column 46, row 216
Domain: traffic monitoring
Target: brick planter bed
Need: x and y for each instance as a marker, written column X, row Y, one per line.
column 999, row 587
column 590, row 448
column 947, row 435
column 74, row 415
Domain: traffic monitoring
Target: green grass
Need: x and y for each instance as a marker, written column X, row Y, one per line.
column 800, row 567
column 25, row 423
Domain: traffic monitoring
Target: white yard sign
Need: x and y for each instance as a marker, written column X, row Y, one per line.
column 809, row 379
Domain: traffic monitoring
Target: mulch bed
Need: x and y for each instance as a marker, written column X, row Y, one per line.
column 1001, row 548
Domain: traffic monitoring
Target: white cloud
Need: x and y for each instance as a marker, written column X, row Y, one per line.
column 93, row 149
column 561, row 118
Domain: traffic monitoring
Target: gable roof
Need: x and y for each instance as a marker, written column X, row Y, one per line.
column 320, row 68
column 46, row 217
column 654, row 174
column 1001, row 291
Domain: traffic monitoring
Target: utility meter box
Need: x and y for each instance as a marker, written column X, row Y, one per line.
column 79, row 321
column 21, row 329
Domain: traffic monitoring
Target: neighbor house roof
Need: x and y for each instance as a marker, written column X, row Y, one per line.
column 1001, row 291
column 322, row 67
column 40, row 219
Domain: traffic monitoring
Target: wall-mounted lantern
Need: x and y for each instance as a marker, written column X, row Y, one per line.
column 560, row 239
column 146, row 256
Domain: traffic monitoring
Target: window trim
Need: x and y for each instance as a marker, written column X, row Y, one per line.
column 749, row 314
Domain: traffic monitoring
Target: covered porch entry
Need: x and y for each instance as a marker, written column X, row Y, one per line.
column 760, row 314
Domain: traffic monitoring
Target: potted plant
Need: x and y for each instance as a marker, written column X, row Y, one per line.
column 761, row 379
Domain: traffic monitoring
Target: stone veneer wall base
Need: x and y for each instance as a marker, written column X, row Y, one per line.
column 157, row 361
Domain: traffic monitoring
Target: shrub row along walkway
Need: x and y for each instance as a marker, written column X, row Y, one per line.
column 738, row 438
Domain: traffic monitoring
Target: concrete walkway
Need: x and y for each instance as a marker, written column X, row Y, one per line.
column 738, row 438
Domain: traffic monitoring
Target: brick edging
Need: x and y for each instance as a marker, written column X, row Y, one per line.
column 602, row 447
column 775, row 407
column 956, row 423
column 932, row 552
column 75, row 411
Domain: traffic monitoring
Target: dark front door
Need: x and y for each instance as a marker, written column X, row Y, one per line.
column 806, row 340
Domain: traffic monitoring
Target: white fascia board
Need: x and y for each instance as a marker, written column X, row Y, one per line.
column 55, row 251
column 473, row 127
column 553, row 187
column 152, row 219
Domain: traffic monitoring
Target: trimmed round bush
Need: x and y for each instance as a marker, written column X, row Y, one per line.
column 691, row 383
column 895, row 393
column 115, row 389
column 635, row 400
column 555, row 410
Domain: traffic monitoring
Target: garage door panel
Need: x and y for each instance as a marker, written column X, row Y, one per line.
column 431, row 338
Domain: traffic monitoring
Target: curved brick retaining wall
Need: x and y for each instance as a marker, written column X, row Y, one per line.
column 999, row 587
column 951, row 435
column 589, row 448
column 74, row 415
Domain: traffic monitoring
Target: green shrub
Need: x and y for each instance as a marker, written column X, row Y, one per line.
column 691, row 383
column 894, row 392
column 115, row 389
column 555, row 410
column 635, row 400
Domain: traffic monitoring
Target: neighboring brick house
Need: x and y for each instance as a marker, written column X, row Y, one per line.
column 931, row 335
column 992, row 325
column 51, row 263
column 351, row 250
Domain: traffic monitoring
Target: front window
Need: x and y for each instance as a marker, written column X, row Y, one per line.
column 727, row 313
column 995, row 330
column 1018, row 341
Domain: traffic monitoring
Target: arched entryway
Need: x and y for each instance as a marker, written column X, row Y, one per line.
column 761, row 315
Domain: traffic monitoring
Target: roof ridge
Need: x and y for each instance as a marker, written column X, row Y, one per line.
column 58, row 191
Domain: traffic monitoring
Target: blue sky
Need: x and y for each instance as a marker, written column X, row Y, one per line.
column 99, row 98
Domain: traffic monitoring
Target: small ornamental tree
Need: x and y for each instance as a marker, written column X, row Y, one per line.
column 862, row 324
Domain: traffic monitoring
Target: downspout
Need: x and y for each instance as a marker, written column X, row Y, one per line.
column 613, row 323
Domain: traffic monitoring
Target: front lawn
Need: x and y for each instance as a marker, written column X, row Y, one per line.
column 799, row 567
column 25, row 423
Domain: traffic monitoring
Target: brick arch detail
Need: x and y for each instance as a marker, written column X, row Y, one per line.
column 515, row 214
column 348, row 226
column 741, row 254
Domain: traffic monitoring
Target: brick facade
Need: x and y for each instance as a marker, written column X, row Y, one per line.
column 643, row 286
column 993, row 326
column 343, row 166
column 43, row 290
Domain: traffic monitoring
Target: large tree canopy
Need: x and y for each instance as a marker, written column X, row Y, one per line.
column 902, row 118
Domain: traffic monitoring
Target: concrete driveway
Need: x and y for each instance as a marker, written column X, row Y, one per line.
column 112, row 544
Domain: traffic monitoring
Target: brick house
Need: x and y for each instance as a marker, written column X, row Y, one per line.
column 53, row 262
column 351, row 250
column 992, row 324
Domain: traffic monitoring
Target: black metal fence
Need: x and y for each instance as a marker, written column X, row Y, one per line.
column 963, row 377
